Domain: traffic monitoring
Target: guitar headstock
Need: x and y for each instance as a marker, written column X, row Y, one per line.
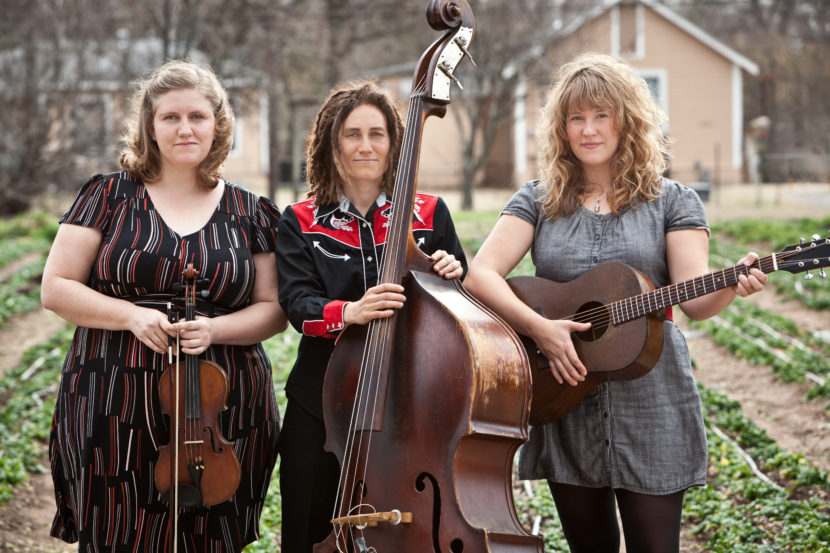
column 435, row 71
column 805, row 256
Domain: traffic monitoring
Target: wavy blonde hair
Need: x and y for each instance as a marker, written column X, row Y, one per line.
column 140, row 154
column 602, row 82
column 325, row 176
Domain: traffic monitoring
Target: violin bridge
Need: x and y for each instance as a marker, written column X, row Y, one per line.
column 373, row 519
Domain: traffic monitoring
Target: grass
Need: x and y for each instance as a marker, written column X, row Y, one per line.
column 736, row 512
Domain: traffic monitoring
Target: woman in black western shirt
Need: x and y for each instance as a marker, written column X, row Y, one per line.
column 330, row 246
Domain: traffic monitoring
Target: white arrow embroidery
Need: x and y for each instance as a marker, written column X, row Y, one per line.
column 420, row 241
column 344, row 257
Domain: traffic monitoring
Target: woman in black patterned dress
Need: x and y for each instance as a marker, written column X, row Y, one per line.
column 116, row 262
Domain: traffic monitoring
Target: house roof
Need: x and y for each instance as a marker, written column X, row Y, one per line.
column 696, row 32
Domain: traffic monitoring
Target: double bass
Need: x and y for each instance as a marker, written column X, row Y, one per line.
column 425, row 410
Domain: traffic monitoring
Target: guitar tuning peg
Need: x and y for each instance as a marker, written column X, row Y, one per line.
column 816, row 237
column 801, row 240
column 822, row 274
column 204, row 293
column 809, row 276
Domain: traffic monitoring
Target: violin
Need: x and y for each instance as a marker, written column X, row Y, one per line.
column 198, row 465
column 425, row 409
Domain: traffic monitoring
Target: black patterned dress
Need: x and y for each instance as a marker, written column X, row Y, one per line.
column 108, row 422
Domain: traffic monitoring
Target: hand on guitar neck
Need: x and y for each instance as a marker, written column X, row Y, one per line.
column 626, row 312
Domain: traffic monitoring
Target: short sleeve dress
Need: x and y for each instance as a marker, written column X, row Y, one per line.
column 644, row 435
column 108, row 422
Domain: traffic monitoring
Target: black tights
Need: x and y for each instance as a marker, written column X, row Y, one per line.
column 651, row 523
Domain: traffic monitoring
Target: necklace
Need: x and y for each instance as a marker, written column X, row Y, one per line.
column 596, row 207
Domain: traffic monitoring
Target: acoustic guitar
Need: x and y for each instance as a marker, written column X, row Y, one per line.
column 626, row 313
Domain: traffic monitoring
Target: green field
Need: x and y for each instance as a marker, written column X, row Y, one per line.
column 780, row 505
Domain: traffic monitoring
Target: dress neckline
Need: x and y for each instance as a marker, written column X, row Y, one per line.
column 222, row 182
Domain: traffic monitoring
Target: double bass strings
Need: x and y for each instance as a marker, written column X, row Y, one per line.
column 376, row 345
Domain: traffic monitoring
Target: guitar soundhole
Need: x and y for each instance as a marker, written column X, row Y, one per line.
column 599, row 317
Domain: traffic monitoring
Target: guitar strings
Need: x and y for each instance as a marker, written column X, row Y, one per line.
column 601, row 314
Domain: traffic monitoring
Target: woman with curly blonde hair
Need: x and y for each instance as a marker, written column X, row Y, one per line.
column 632, row 445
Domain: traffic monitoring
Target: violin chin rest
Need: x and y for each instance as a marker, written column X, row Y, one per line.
column 189, row 496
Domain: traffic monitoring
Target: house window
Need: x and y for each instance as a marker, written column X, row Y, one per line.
column 236, row 146
column 628, row 32
column 657, row 81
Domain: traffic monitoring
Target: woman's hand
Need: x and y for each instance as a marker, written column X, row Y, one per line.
column 194, row 336
column 446, row 265
column 377, row 303
column 150, row 327
column 754, row 282
column 553, row 338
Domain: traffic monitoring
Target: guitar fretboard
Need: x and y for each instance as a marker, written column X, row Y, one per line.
column 636, row 306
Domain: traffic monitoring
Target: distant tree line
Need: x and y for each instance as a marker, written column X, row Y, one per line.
column 54, row 53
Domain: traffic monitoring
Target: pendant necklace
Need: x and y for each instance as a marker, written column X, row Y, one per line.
column 596, row 207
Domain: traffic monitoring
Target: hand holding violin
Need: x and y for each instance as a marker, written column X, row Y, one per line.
column 194, row 336
column 151, row 327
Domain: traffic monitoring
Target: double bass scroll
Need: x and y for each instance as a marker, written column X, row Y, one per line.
column 425, row 410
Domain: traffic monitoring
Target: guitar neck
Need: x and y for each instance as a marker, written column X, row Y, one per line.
column 637, row 306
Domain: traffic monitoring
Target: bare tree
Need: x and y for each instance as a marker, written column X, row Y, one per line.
column 48, row 128
column 508, row 46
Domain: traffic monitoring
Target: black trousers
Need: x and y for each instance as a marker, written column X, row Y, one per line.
column 308, row 480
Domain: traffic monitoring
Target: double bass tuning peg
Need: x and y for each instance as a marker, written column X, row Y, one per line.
column 447, row 69
column 461, row 42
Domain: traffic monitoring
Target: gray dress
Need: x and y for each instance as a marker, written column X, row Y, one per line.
column 644, row 435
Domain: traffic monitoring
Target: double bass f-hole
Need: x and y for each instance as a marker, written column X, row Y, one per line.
column 198, row 467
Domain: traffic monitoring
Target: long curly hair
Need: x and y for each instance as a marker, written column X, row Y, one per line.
column 602, row 82
column 325, row 176
column 140, row 154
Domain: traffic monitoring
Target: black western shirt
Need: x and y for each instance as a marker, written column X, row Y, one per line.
column 329, row 255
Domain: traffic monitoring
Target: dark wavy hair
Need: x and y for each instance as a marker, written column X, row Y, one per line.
column 140, row 154
column 603, row 82
column 325, row 176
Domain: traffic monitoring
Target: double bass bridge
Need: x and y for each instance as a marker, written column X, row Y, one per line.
column 393, row 517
